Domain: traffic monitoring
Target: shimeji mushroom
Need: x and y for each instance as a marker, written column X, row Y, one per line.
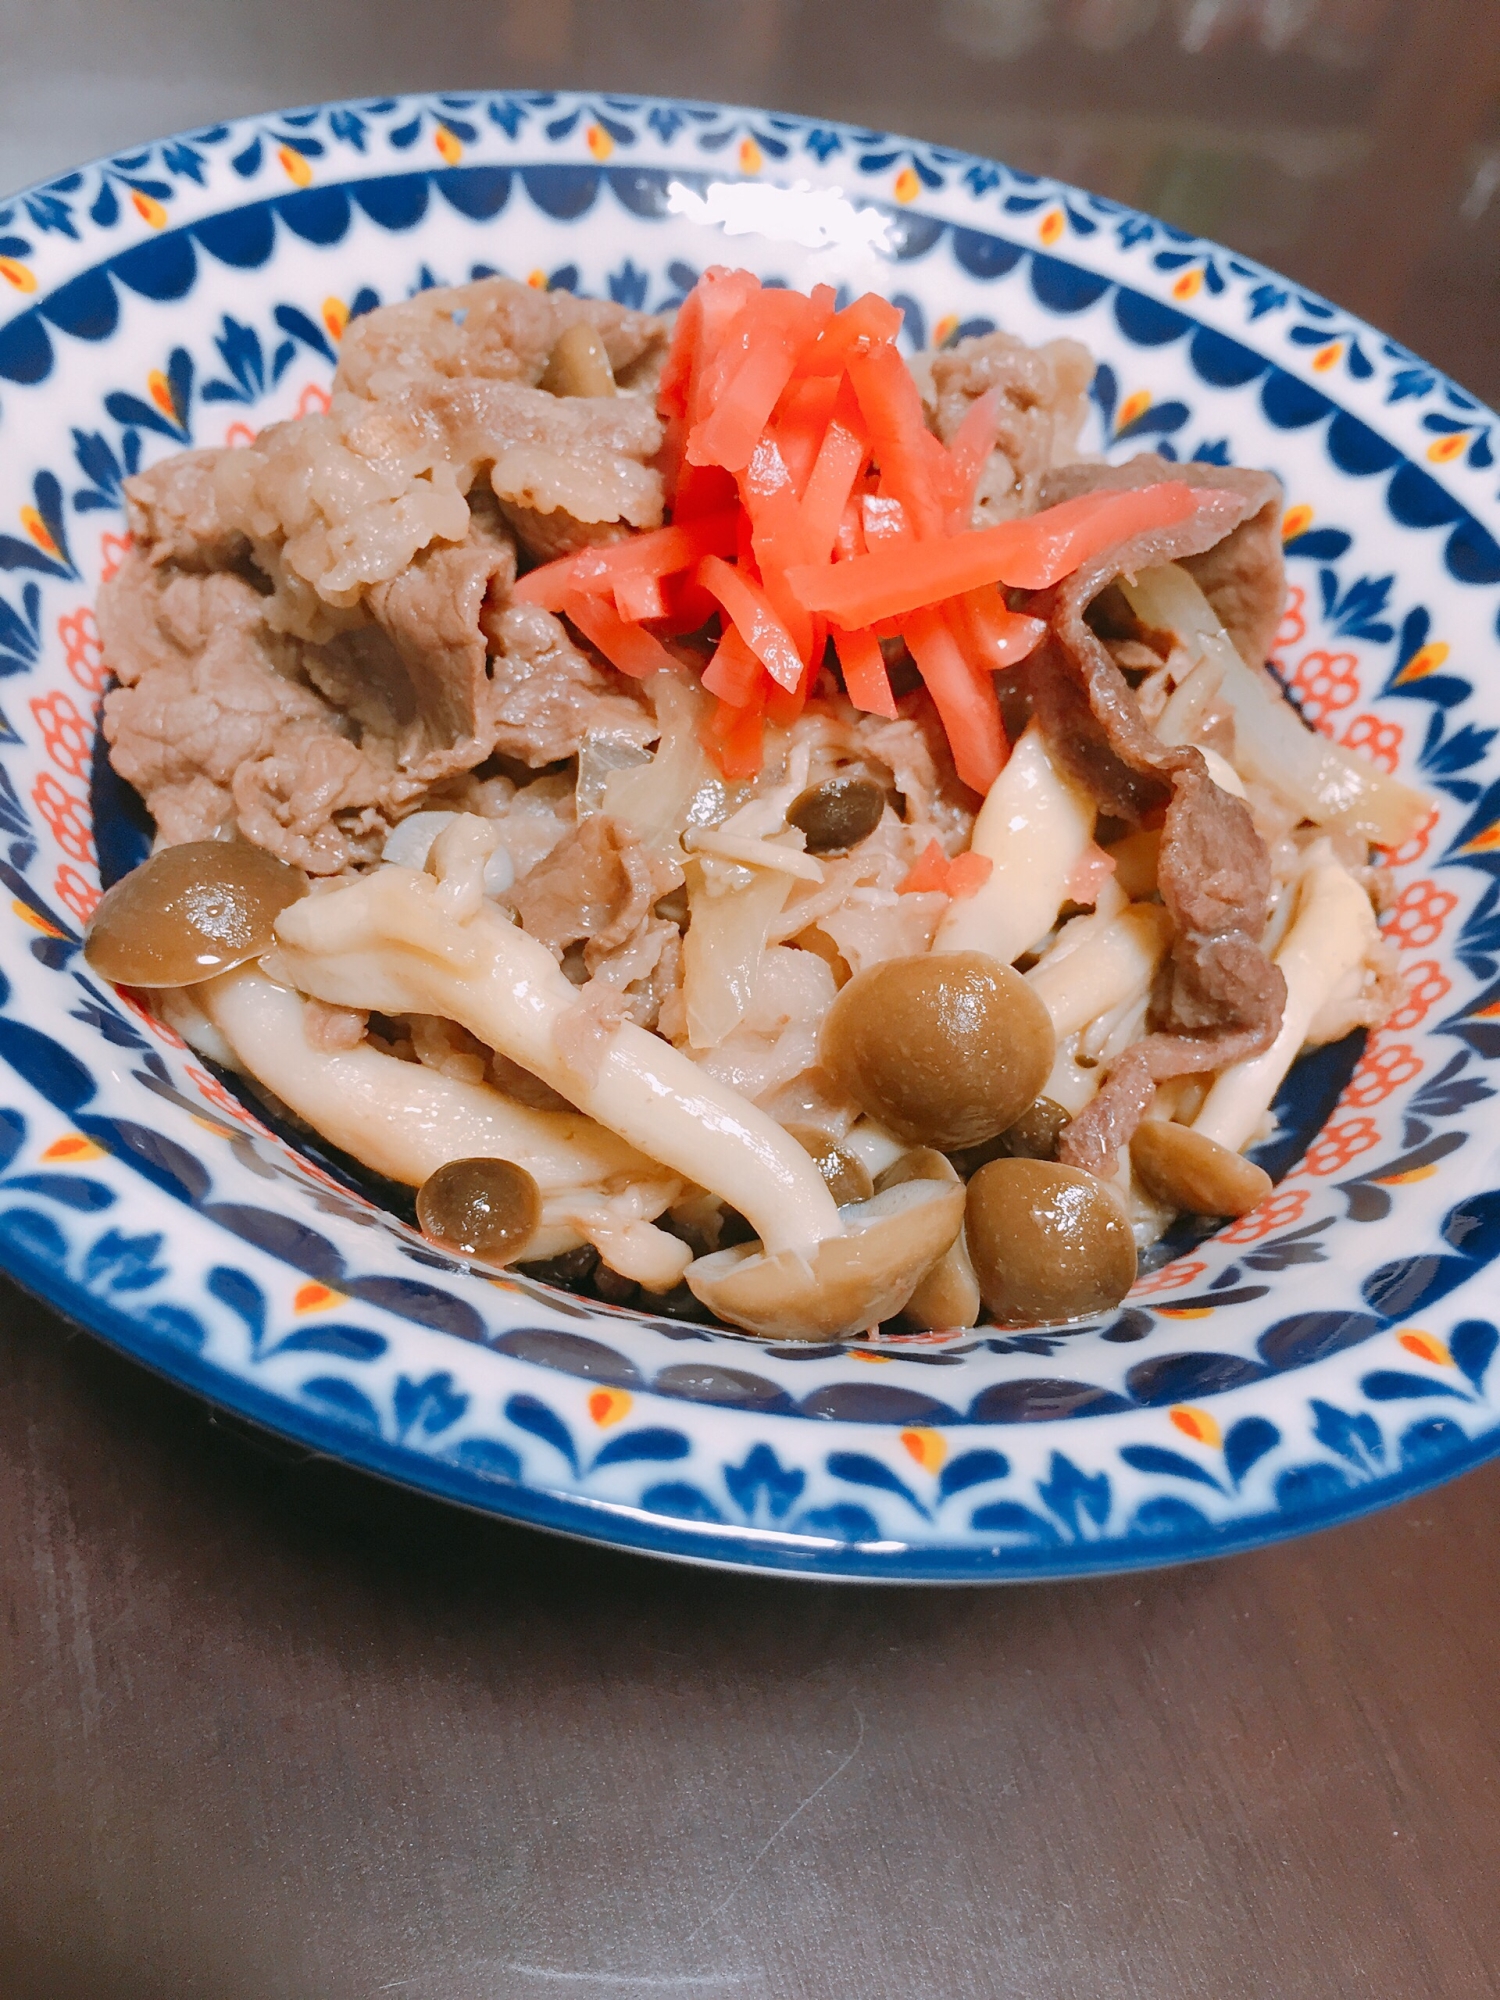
column 1100, row 963
column 402, row 942
column 1035, row 826
column 948, row 1294
column 388, row 942
column 406, row 1121
column 1272, row 745
column 853, row 1280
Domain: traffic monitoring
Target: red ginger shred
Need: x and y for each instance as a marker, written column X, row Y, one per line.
column 777, row 406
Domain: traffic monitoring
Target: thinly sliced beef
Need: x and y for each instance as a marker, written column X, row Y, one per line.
column 174, row 516
column 494, row 328
column 1225, row 998
column 215, row 727
column 335, row 503
column 430, row 614
column 546, row 696
column 597, row 886
column 1043, row 399
column 1244, row 575
column 313, row 751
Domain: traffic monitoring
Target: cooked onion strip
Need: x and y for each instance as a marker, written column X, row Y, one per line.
column 1273, row 746
column 383, row 943
column 1034, row 826
column 724, row 950
column 1333, row 932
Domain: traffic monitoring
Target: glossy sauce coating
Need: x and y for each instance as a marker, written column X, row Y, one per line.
column 190, row 912
column 1048, row 1242
column 944, row 1051
column 485, row 1208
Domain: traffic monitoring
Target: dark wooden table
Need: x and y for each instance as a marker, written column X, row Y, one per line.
column 270, row 1731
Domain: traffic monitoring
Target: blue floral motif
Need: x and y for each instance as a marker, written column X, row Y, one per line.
column 20, row 641
column 762, row 1481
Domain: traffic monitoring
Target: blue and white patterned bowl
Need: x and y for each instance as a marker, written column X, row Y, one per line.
column 1326, row 1355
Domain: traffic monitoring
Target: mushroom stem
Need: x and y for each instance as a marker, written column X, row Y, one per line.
column 1115, row 963
column 1332, row 932
column 384, row 943
column 405, row 1121
column 947, row 1294
column 850, row 1283
column 1034, row 826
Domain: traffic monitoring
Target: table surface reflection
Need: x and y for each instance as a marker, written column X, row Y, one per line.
column 272, row 1731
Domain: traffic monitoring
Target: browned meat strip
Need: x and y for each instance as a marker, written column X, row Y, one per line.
column 1226, row 998
column 1043, row 401
column 599, row 884
column 545, row 695
column 547, row 536
column 331, row 505
column 431, row 615
column 1244, row 575
column 494, row 327
column 214, row 727
column 314, row 751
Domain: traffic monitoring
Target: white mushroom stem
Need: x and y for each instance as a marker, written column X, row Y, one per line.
column 1034, row 826
column 1332, row 932
column 616, row 1225
column 1115, row 963
column 1071, row 1083
column 384, row 943
column 405, row 1121
column 753, row 853
column 888, row 1244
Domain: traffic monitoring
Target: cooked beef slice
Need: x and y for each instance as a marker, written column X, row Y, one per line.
column 494, row 328
column 1043, row 402
column 217, row 706
column 173, row 514
column 1225, row 997
column 546, row 696
column 1244, row 575
column 332, row 504
column 598, row 884
column 215, row 726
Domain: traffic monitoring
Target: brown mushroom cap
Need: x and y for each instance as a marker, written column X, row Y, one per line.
column 483, row 1207
column 944, row 1049
column 1049, row 1243
column 189, row 913
column 852, row 1281
column 1188, row 1170
column 838, row 814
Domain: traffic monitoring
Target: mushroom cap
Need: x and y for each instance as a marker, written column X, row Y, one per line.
column 189, row 913
column 1187, row 1169
column 851, row 1282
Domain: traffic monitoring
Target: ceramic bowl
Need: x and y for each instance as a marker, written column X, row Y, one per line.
column 1327, row 1354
